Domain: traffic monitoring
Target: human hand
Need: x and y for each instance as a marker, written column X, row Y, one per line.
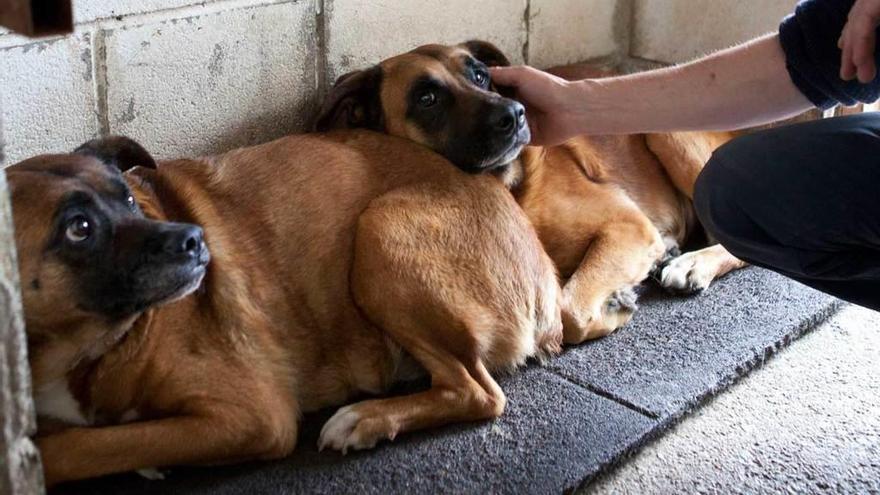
column 551, row 102
column 858, row 42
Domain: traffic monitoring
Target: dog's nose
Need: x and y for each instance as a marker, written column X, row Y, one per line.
column 509, row 118
column 520, row 112
column 503, row 119
column 187, row 241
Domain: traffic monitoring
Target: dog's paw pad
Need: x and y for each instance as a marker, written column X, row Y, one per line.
column 685, row 275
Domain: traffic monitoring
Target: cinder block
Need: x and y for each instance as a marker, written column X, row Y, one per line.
column 47, row 96
column 568, row 31
column 89, row 10
column 360, row 34
column 678, row 30
column 211, row 83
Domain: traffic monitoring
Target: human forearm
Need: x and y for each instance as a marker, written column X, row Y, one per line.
column 743, row 86
column 767, row 79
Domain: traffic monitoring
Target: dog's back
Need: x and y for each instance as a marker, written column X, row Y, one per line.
column 304, row 225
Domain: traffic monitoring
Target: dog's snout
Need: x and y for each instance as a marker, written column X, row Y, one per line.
column 509, row 118
column 503, row 119
column 186, row 241
column 175, row 241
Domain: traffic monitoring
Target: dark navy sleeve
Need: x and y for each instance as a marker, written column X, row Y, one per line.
column 809, row 39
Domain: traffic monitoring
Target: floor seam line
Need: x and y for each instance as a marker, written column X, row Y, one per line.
column 670, row 420
column 608, row 395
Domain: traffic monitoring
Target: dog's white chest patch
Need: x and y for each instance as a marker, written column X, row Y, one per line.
column 54, row 400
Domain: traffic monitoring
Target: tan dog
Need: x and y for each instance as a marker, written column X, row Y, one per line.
column 608, row 209
column 340, row 264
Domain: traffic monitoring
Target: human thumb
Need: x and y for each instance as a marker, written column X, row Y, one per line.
column 505, row 76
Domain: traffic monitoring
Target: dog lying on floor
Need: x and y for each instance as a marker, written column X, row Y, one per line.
column 339, row 264
column 608, row 209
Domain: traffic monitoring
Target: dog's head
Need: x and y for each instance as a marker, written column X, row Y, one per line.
column 89, row 260
column 439, row 96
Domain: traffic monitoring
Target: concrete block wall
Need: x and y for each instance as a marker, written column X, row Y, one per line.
column 191, row 77
column 673, row 31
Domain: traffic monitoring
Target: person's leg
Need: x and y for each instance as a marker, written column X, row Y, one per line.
column 802, row 200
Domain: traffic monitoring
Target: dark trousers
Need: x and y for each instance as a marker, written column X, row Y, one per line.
column 804, row 201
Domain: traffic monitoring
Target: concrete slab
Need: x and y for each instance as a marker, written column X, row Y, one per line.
column 678, row 351
column 213, row 82
column 569, row 31
column 89, row 10
column 674, row 31
column 360, row 34
column 551, row 434
column 807, row 422
column 47, row 97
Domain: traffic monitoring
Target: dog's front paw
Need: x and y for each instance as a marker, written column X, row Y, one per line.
column 352, row 427
column 686, row 275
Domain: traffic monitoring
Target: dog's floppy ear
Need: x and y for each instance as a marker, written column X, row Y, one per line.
column 119, row 152
column 487, row 53
column 354, row 101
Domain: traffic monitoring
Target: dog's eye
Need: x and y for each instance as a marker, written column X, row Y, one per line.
column 130, row 201
column 427, row 99
column 79, row 229
column 481, row 78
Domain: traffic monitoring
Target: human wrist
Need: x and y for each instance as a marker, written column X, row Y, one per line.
column 596, row 111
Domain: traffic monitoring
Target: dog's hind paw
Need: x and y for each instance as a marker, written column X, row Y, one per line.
column 615, row 312
column 622, row 300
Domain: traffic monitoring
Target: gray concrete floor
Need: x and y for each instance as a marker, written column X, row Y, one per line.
column 807, row 422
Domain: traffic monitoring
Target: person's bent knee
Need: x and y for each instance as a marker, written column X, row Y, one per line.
column 734, row 208
column 719, row 195
column 712, row 193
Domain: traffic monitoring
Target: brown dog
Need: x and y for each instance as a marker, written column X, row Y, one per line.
column 340, row 264
column 608, row 209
